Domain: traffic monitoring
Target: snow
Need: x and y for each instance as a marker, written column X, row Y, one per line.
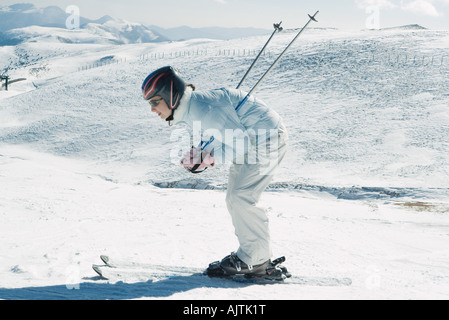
column 26, row 22
column 86, row 169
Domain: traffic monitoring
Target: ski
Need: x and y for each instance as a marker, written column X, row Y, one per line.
column 126, row 264
column 116, row 270
column 144, row 275
column 277, row 271
column 138, row 273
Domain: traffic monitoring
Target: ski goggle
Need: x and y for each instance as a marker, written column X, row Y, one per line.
column 154, row 103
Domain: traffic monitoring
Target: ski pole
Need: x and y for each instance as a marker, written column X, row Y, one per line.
column 275, row 62
column 204, row 144
column 277, row 28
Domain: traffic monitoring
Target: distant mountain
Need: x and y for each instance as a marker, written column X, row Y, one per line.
column 25, row 15
column 406, row 27
column 25, row 22
column 122, row 32
column 218, row 33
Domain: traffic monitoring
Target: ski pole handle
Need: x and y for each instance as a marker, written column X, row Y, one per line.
column 283, row 52
column 277, row 28
column 275, row 62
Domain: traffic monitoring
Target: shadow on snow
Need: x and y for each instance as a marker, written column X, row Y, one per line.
column 119, row 290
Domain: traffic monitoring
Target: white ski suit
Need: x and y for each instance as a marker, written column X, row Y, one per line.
column 254, row 140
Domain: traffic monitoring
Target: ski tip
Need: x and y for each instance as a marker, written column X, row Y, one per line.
column 104, row 258
column 97, row 270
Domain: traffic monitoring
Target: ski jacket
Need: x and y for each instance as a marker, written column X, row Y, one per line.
column 232, row 136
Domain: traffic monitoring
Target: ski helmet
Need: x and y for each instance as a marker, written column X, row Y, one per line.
column 166, row 83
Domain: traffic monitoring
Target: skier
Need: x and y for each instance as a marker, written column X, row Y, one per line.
column 253, row 138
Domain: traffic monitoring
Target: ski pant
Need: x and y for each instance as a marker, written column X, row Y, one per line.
column 245, row 186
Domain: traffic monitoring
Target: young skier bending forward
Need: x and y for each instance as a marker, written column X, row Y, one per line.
column 253, row 138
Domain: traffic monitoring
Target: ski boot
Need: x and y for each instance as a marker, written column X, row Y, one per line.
column 232, row 266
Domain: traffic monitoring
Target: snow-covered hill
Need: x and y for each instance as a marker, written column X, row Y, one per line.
column 24, row 15
column 217, row 33
column 24, row 22
column 86, row 169
column 110, row 32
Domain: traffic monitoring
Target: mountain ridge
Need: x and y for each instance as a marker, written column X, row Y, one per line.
column 17, row 17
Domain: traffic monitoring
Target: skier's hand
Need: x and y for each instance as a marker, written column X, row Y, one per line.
column 195, row 156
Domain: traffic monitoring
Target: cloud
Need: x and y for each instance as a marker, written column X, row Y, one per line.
column 381, row 4
column 423, row 7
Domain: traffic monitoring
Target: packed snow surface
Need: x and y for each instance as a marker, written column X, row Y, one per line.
column 86, row 169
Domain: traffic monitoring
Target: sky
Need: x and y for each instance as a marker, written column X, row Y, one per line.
column 341, row 14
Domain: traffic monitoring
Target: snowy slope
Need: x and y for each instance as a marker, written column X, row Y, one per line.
column 362, row 192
